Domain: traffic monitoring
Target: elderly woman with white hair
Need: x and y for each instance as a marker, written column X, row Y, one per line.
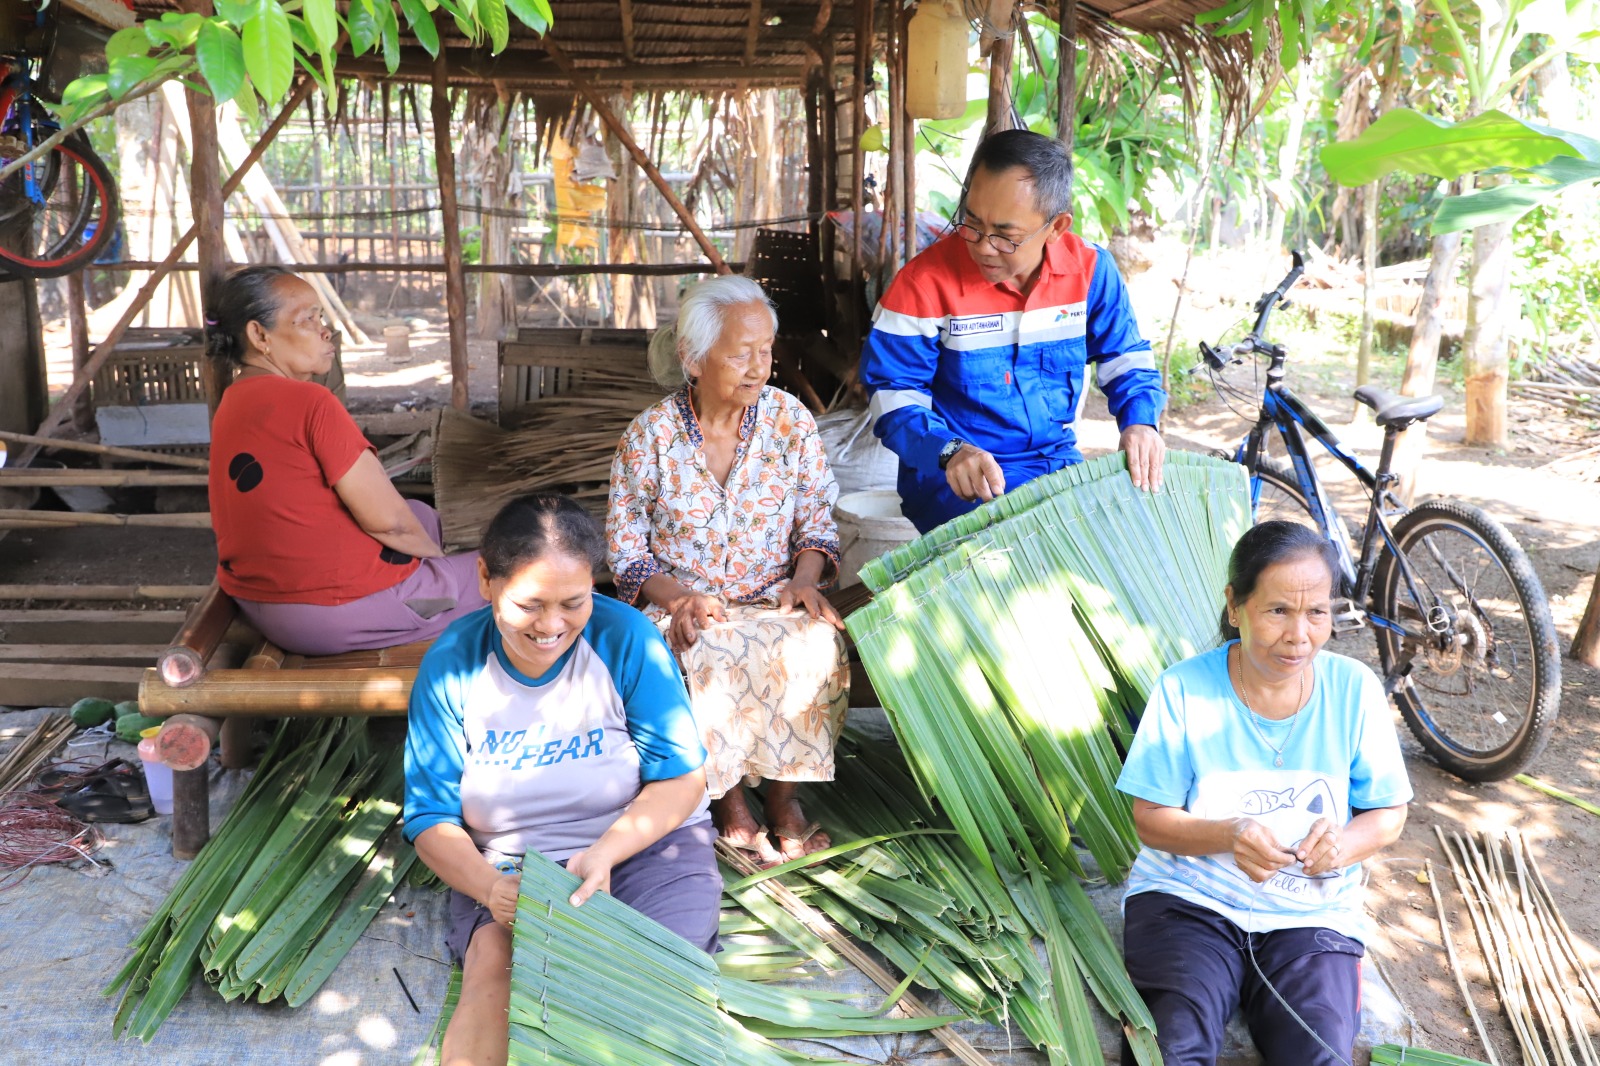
column 721, row 529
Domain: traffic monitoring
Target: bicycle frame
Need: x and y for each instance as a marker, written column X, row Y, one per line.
column 1285, row 412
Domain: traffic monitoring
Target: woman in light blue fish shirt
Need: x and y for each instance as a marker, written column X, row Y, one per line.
column 1263, row 773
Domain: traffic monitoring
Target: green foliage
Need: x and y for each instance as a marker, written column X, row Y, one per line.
column 1410, row 141
column 247, row 52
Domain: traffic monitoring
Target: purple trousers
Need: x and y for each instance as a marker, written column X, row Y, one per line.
column 418, row 608
column 1192, row 967
column 674, row 881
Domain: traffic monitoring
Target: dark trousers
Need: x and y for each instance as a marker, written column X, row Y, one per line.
column 1192, row 966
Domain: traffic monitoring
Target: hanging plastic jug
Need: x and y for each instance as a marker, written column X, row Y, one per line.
column 936, row 61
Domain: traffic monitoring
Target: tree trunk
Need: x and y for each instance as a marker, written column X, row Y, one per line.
column 1369, row 281
column 1490, row 312
column 634, row 297
column 1288, row 162
column 1586, row 642
column 1423, row 358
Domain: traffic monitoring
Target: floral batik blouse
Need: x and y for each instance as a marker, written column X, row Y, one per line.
column 738, row 541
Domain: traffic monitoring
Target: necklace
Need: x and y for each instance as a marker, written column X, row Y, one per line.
column 1294, row 719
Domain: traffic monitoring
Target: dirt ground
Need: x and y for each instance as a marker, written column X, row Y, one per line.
column 1543, row 487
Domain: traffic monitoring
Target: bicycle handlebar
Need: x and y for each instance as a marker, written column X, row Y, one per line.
column 1219, row 357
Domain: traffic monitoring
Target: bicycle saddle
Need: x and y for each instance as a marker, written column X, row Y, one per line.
column 1398, row 411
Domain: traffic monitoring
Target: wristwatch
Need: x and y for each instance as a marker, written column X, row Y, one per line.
column 948, row 452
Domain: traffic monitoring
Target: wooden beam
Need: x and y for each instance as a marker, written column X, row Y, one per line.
column 524, row 70
column 628, row 52
column 751, row 33
column 16, row 518
column 35, row 626
column 61, row 412
column 136, row 454
column 78, row 323
column 79, row 653
column 625, row 135
column 455, row 282
column 61, row 684
column 102, row 592
column 30, row 477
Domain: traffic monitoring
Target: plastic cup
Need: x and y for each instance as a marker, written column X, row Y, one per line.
column 157, row 774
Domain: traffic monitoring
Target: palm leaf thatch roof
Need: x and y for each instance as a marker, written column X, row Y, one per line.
column 702, row 45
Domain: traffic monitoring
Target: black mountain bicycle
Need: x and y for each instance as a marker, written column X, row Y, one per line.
column 1466, row 647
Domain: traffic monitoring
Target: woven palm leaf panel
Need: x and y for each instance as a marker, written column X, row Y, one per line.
column 1014, row 648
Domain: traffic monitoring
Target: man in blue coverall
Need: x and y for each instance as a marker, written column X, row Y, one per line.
column 979, row 348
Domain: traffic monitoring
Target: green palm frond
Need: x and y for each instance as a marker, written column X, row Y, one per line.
column 602, row 984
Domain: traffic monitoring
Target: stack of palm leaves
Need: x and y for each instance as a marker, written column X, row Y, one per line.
column 285, row 887
column 566, row 444
column 917, row 894
column 603, row 983
column 1014, row 648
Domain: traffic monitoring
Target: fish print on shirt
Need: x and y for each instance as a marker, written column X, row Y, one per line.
column 1288, row 803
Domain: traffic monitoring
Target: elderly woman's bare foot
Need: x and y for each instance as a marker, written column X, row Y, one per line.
column 738, row 827
column 797, row 836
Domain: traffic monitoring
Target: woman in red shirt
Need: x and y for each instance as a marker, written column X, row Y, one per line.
column 321, row 552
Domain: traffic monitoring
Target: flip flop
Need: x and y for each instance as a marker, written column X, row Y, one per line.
column 801, row 837
column 121, row 798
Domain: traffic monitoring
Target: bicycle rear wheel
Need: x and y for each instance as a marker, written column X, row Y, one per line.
column 64, row 218
column 1481, row 687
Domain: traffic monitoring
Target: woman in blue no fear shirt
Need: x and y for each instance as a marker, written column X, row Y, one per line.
column 555, row 721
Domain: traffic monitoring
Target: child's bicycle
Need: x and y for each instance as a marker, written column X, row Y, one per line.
column 1465, row 642
column 57, row 212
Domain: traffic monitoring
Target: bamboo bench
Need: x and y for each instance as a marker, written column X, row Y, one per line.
column 207, row 694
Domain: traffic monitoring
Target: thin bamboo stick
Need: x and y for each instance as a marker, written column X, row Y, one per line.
column 20, row 763
column 61, row 444
column 1455, row 963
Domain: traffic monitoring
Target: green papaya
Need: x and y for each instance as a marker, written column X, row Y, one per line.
column 129, row 726
column 90, row 711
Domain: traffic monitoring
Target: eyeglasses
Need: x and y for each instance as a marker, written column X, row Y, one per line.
column 1003, row 245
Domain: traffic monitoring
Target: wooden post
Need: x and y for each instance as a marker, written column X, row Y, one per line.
column 814, row 157
column 1067, row 75
column 625, row 135
column 858, row 198
column 61, row 412
column 205, row 192
column 455, row 281
column 191, row 812
column 1000, row 50
column 889, row 231
column 908, row 130
column 78, row 319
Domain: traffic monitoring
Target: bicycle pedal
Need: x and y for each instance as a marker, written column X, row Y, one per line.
column 1347, row 616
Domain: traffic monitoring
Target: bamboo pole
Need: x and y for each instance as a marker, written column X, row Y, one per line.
column 298, row 693
column 11, row 518
column 137, row 454
column 455, row 284
column 907, row 130
column 204, row 627
column 61, row 411
column 102, row 592
column 625, row 135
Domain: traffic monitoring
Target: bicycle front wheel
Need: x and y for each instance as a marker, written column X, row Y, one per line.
column 65, row 214
column 1480, row 680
